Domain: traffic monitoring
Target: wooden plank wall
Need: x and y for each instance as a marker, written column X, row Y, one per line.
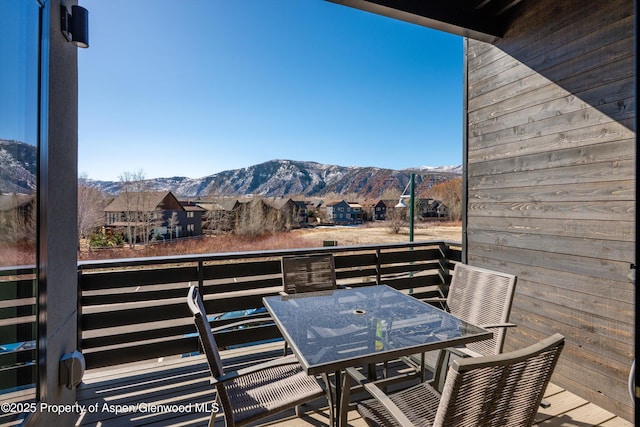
column 551, row 183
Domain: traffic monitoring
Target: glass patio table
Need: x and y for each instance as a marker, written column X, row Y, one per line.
column 330, row 331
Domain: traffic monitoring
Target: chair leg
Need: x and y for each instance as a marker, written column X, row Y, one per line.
column 332, row 406
column 442, row 365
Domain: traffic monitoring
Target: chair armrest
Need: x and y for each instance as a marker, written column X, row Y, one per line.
column 433, row 299
column 242, row 323
column 380, row 396
column 498, row 325
column 281, row 361
column 441, row 301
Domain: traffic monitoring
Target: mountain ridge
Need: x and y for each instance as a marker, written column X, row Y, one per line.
column 18, row 166
column 273, row 178
column 278, row 178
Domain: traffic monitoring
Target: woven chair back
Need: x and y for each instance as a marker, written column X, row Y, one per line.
column 308, row 273
column 482, row 297
column 500, row 390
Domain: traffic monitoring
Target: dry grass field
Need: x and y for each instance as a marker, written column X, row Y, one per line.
column 379, row 232
column 370, row 233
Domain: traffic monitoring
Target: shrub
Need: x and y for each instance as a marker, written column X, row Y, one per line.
column 101, row 240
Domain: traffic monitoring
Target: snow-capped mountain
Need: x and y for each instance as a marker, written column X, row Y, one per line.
column 289, row 177
column 272, row 178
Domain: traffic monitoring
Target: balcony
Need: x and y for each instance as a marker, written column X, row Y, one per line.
column 142, row 354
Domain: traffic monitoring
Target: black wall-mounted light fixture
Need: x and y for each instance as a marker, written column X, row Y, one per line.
column 75, row 25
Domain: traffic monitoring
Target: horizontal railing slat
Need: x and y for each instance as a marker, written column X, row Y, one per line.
column 234, row 303
column 113, row 317
column 117, row 356
column 20, row 320
column 232, row 285
column 133, row 337
column 243, row 269
column 355, row 260
column 175, row 346
column 126, row 297
column 125, row 278
column 409, row 256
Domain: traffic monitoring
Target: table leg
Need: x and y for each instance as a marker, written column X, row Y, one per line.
column 332, row 400
column 344, row 398
column 340, row 405
column 336, row 397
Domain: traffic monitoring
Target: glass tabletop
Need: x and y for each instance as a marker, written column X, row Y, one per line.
column 331, row 330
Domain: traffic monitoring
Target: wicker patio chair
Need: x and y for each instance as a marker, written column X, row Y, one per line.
column 481, row 297
column 307, row 273
column 499, row 390
column 252, row 393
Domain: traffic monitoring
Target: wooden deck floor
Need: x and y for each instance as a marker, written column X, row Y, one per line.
column 138, row 392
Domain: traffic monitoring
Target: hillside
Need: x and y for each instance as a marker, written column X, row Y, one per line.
column 270, row 179
column 18, row 163
column 288, row 177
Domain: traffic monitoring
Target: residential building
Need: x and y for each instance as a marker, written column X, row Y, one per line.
column 295, row 213
column 344, row 213
column 152, row 215
column 431, row 208
column 190, row 219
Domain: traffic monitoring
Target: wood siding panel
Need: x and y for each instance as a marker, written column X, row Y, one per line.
column 551, row 184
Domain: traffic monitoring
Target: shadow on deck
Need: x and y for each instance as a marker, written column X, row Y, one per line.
column 176, row 392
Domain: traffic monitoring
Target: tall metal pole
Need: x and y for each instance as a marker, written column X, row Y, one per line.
column 411, row 205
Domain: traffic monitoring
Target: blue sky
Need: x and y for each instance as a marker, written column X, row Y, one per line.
column 19, row 71
column 195, row 87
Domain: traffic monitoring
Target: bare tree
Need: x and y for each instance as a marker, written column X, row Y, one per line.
column 397, row 219
column 217, row 219
column 390, row 194
column 449, row 193
column 91, row 204
column 18, row 219
column 149, row 217
column 132, row 184
column 257, row 217
column 173, row 223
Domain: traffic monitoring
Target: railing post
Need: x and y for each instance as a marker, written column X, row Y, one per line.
column 200, row 277
column 79, row 311
column 443, row 264
column 378, row 268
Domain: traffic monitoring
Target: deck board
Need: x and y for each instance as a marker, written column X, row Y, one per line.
column 185, row 381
